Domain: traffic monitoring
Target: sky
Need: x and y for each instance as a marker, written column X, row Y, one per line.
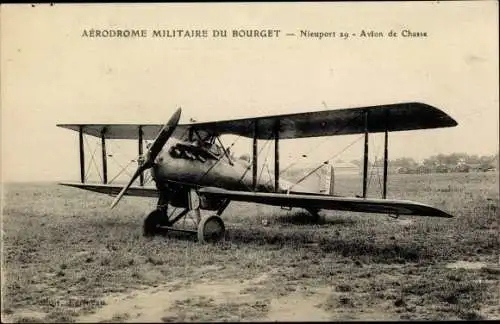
column 51, row 74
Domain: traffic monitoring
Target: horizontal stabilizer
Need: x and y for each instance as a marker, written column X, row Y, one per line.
column 113, row 190
column 365, row 205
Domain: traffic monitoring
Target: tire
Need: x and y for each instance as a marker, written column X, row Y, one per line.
column 211, row 229
column 152, row 222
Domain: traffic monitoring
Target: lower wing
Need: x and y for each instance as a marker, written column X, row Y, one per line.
column 366, row 205
column 113, row 190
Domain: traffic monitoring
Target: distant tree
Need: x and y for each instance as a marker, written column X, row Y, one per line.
column 430, row 162
column 461, row 168
column 454, row 162
column 359, row 163
column 485, row 159
column 403, row 162
column 473, row 159
column 455, row 158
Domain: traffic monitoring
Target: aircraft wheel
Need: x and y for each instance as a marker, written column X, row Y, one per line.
column 211, row 229
column 152, row 222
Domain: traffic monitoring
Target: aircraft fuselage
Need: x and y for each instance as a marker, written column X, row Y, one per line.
column 183, row 162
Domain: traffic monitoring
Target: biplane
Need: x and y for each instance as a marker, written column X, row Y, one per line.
column 193, row 171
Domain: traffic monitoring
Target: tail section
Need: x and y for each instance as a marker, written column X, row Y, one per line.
column 319, row 180
column 328, row 180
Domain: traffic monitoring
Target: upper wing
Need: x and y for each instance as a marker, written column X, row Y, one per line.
column 393, row 117
column 118, row 131
column 109, row 189
column 366, row 205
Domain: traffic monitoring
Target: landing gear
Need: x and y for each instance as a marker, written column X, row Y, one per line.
column 315, row 217
column 153, row 222
column 208, row 228
column 211, row 229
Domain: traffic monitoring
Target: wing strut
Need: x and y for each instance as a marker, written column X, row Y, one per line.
column 365, row 159
column 386, row 155
column 82, row 155
column 254, row 155
column 104, row 158
column 277, row 156
column 141, row 176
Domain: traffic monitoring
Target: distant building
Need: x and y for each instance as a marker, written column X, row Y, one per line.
column 422, row 169
column 442, row 168
column 482, row 167
column 461, row 167
column 403, row 170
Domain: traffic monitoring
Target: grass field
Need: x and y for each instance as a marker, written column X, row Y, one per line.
column 67, row 257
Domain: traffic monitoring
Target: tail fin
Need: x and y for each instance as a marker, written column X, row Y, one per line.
column 329, row 180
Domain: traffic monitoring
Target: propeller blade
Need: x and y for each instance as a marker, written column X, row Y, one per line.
column 155, row 148
column 162, row 138
column 124, row 189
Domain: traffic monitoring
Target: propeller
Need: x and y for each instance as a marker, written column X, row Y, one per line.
column 152, row 152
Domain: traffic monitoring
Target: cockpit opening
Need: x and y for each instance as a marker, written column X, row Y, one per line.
column 196, row 150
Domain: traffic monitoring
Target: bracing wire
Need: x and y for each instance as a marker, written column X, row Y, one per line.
column 147, row 178
column 327, row 160
column 122, row 155
column 315, row 147
column 268, row 172
column 265, row 160
column 92, row 161
column 250, row 166
column 123, row 169
column 372, row 169
column 379, row 181
column 377, row 152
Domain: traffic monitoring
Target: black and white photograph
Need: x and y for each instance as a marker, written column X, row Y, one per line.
column 255, row 162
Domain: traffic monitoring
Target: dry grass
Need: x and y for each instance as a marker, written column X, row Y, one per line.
column 64, row 251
